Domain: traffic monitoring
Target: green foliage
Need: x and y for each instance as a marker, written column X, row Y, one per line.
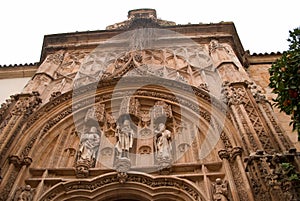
column 290, row 171
column 285, row 80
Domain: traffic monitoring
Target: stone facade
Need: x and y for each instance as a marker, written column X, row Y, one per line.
column 147, row 110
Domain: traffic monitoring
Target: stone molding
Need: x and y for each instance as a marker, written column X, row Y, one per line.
column 134, row 181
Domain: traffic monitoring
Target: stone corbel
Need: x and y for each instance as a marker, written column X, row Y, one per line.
column 165, row 170
column 230, row 154
column 123, row 164
column 19, row 161
column 82, row 169
column 224, row 154
column 236, row 151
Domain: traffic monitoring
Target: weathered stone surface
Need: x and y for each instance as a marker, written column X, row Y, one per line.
column 174, row 122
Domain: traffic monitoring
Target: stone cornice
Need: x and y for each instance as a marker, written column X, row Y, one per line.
column 201, row 33
column 267, row 58
column 18, row 71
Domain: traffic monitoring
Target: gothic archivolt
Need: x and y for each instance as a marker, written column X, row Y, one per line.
column 98, row 118
column 161, row 127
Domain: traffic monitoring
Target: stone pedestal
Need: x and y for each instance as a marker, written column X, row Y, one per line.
column 123, row 164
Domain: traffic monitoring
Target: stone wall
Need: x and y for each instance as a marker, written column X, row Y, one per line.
column 258, row 71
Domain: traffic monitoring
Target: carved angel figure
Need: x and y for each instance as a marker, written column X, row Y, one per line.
column 24, row 194
column 124, row 136
column 220, row 190
column 89, row 145
column 163, row 143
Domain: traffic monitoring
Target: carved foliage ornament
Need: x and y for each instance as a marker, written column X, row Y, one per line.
column 162, row 109
column 234, row 95
column 26, row 103
column 116, row 178
column 231, row 153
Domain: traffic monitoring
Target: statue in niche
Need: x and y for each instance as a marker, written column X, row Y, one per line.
column 220, row 190
column 163, row 143
column 24, row 193
column 124, row 136
column 89, row 145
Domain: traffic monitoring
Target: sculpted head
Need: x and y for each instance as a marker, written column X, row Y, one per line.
column 161, row 126
column 27, row 187
column 126, row 123
column 93, row 129
column 219, row 181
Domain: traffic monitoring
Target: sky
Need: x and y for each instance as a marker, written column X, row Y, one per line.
column 262, row 25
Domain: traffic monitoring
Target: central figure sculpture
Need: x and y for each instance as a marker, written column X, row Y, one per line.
column 89, row 145
column 163, row 143
column 124, row 136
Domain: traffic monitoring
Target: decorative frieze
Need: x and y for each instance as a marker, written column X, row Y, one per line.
column 180, row 185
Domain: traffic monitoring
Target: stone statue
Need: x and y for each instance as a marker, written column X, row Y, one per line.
column 220, row 190
column 24, row 194
column 89, row 145
column 163, row 143
column 124, row 136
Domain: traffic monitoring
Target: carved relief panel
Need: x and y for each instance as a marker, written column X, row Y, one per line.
column 155, row 138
